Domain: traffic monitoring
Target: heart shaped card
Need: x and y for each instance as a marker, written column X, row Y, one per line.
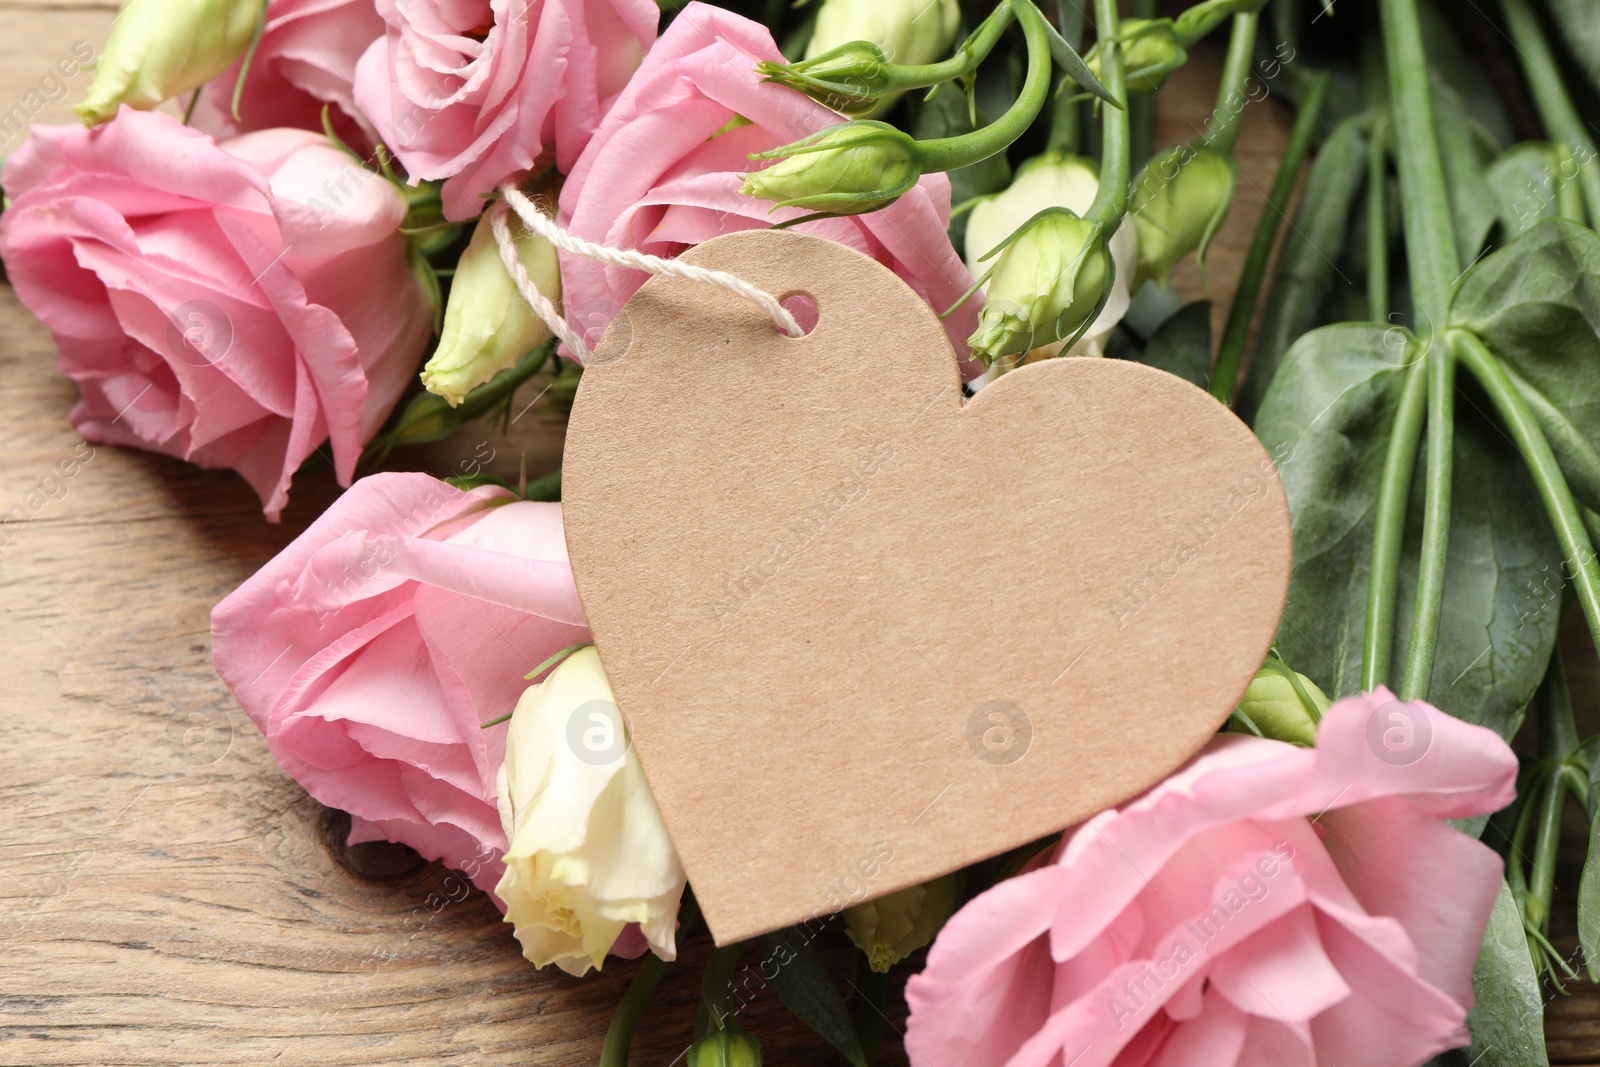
column 866, row 631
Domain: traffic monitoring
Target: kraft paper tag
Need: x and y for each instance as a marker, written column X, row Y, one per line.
column 866, row 631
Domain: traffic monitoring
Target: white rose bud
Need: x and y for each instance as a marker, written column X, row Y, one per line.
column 589, row 853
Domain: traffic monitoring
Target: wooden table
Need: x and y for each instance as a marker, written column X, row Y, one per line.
column 169, row 895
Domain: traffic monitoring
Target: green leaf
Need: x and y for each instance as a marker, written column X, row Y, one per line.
column 1072, row 65
column 1507, row 1024
column 1305, row 273
column 1522, row 180
column 1589, row 903
column 803, row 986
column 1327, row 421
column 1181, row 345
column 1589, row 882
column 1536, row 304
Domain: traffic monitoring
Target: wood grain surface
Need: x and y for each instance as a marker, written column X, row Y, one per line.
column 167, row 894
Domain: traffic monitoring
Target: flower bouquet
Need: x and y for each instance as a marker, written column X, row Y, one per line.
column 290, row 234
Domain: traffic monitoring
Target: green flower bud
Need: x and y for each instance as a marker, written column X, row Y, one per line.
column 1199, row 20
column 159, row 49
column 1053, row 179
column 893, row 927
column 855, row 41
column 1151, row 50
column 1281, row 711
column 1179, row 201
column 850, row 79
column 726, row 1047
column 487, row 324
column 1048, row 284
column 848, row 169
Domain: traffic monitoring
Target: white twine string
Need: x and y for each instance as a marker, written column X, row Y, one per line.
column 543, row 225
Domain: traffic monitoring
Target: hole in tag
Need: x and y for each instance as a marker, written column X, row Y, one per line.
column 803, row 308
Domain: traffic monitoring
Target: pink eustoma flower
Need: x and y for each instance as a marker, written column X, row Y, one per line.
column 476, row 92
column 306, row 59
column 236, row 304
column 662, row 174
column 1265, row 906
column 370, row 651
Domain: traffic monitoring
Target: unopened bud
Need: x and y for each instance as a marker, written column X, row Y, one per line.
column 725, row 1047
column 851, row 78
column 848, row 169
column 488, row 326
column 902, row 32
column 1151, row 50
column 1281, row 708
column 1047, row 286
column 159, row 49
column 1179, row 201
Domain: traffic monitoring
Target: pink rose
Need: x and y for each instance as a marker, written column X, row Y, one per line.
column 307, row 58
column 475, row 92
column 661, row 174
column 372, row 648
column 1265, row 906
column 233, row 304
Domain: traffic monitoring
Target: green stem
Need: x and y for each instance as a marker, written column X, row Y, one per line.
column 1543, row 74
column 953, row 153
column 1516, row 877
column 1111, row 199
column 1141, row 106
column 1067, row 109
column 1569, row 194
column 1558, row 730
column 1222, row 130
column 244, row 66
column 1388, row 534
column 1435, row 523
column 973, row 51
column 619, row 1036
column 1430, row 233
column 1378, row 222
column 1553, row 490
column 1547, row 839
column 716, row 984
column 1243, row 310
column 872, row 991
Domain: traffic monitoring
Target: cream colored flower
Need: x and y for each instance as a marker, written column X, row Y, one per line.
column 909, row 32
column 894, row 926
column 487, row 324
column 589, row 853
column 1053, row 180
